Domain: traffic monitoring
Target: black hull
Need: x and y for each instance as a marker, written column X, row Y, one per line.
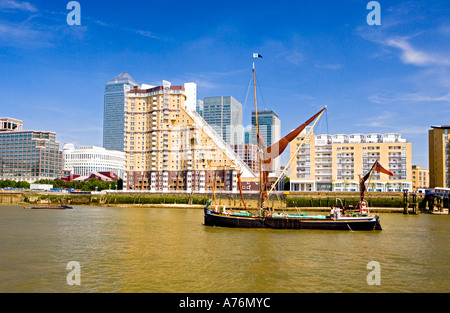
column 213, row 219
column 64, row 207
column 220, row 220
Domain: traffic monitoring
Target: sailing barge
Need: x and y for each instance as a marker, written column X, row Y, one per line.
column 340, row 217
column 243, row 219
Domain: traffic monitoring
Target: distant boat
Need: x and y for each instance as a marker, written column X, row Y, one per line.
column 440, row 212
column 339, row 218
column 50, row 207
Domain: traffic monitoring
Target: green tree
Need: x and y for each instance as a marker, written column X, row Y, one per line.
column 7, row 183
column 59, row 183
column 388, row 186
column 46, row 182
column 23, row 185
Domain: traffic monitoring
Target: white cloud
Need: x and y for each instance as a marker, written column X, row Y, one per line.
column 410, row 55
column 411, row 97
column 382, row 120
column 294, row 57
column 22, row 35
column 144, row 33
column 329, row 66
column 424, row 98
column 17, row 5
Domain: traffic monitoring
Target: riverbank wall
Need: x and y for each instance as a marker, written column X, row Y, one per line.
column 315, row 201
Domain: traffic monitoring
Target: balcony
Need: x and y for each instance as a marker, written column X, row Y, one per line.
column 345, row 161
column 324, row 174
column 323, row 162
column 323, row 156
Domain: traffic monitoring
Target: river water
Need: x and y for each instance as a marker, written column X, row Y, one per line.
column 170, row 250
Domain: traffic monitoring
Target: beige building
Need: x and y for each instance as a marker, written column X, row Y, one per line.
column 334, row 162
column 420, row 178
column 439, row 156
column 169, row 147
column 249, row 154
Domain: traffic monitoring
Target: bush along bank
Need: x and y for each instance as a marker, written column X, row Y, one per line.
column 393, row 202
column 154, row 199
column 230, row 200
column 107, row 199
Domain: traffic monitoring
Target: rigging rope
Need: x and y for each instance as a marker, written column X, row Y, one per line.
column 246, row 94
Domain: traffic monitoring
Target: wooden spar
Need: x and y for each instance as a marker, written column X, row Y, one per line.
column 294, row 155
column 240, row 191
column 213, row 182
column 368, row 184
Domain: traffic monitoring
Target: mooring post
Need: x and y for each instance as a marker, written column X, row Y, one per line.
column 415, row 203
column 405, row 202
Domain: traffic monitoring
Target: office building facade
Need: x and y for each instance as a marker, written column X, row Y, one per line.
column 269, row 126
column 91, row 159
column 224, row 114
column 336, row 162
column 439, row 156
column 28, row 155
column 199, row 107
column 114, row 111
column 248, row 134
column 171, row 148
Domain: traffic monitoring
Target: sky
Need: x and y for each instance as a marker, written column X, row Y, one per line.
column 392, row 77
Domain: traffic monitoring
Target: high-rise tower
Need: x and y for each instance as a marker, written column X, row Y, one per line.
column 114, row 111
column 224, row 114
column 439, row 156
column 169, row 147
column 269, row 127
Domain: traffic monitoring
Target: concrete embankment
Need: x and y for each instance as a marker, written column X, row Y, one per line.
column 292, row 201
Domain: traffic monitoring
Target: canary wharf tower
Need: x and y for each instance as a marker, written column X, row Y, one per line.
column 114, row 111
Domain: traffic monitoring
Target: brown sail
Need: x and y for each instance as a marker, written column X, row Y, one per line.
column 277, row 148
column 375, row 167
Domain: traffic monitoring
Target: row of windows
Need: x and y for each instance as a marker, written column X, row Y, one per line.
column 84, row 156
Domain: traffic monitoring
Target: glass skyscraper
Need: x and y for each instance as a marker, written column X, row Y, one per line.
column 270, row 129
column 224, row 115
column 28, row 155
column 114, row 111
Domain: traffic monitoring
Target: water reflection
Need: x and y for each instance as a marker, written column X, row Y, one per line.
column 170, row 250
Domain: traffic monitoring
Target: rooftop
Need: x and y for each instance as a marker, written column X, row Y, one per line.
column 123, row 78
column 159, row 88
column 441, row 127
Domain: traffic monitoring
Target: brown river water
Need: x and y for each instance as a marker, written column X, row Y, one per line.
column 171, row 251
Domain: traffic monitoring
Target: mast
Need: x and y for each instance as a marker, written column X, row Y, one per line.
column 269, row 153
column 260, row 200
column 213, row 183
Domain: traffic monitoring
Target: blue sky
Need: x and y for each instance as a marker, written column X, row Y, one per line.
column 394, row 77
